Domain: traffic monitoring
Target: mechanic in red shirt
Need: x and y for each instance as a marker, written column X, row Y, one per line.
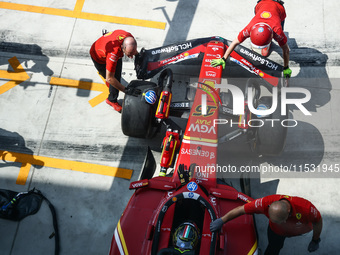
column 106, row 54
column 267, row 24
column 288, row 216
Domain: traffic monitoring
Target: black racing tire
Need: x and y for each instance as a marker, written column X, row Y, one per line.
column 270, row 139
column 138, row 116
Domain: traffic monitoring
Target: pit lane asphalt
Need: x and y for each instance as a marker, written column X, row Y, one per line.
column 54, row 122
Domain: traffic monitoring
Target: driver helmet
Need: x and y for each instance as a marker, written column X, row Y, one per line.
column 261, row 35
column 186, row 236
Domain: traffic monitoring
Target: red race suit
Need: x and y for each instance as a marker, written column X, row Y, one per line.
column 273, row 14
column 300, row 221
column 108, row 49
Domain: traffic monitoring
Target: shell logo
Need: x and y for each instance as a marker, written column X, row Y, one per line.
column 261, row 74
column 266, row 15
column 210, row 83
column 186, row 54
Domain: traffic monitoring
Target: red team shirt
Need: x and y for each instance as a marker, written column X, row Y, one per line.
column 300, row 220
column 107, row 49
column 272, row 13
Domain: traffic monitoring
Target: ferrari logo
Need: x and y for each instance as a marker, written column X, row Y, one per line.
column 120, row 37
column 298, row 216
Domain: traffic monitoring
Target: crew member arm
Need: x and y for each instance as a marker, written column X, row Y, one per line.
column 231, row 48
column 317, row 228
column 236, row 212
column 110, row 78
column 285, row 52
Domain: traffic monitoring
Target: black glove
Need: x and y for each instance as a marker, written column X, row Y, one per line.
column 132, row 91
column 183, row 174
column 216, row 225
column 313, row 245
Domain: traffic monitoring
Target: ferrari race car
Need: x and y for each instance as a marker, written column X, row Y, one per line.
column 171, row 213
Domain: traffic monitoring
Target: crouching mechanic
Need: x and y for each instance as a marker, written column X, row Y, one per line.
column 106, row 54
column 267, row 24
column 288, row 216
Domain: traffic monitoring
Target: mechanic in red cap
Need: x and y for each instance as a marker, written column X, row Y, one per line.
column 106, row 54
column 267, row 24
column 288, row 216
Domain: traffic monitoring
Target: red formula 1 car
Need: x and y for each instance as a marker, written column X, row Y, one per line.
column 171, row 213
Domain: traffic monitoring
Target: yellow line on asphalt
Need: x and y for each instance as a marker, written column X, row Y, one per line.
column 122, row 20
column 77, row 13
column 23, row 174
column 98, row 99
column 27, row 160
column 18, row 76
column 79, row 84
column 36, row 9
column 84, row 85
column 79, row 6
column 13, row 75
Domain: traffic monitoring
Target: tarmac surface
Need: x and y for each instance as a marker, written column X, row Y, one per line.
column 59, row 136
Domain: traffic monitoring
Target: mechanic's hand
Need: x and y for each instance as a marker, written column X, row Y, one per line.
column 183, row 174
column 132, row 91
column 218, row 62
column 313, row 245
column 216, row 225
column 287, row 72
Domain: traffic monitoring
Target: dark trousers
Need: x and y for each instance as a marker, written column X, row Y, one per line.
column 101, row 68
column 275, row 242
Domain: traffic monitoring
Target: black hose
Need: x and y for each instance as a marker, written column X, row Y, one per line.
column 166, row 73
